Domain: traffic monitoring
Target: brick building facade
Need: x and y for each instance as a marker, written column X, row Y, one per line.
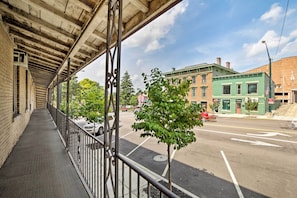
column 201, row 76
column 17, row 97
column 284, row 75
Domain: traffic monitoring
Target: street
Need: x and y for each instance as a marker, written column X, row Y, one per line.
column 232, row 157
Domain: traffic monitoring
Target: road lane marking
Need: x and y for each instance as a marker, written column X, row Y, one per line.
column 268, row 134
column 232, row 176
column 256, row 129
column 137, row 146
column 126, row 134
column 256, row 143
column 242, row 135
column 166, row 168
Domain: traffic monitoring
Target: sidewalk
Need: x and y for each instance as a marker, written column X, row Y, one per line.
column 39, row 165
column 274, row 117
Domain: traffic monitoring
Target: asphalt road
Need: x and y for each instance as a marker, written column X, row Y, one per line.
column 232, row 157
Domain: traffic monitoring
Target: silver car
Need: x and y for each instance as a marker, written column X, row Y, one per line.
column 94, row 128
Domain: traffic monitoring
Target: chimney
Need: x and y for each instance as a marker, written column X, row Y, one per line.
column 228, row 65
column 219, row 60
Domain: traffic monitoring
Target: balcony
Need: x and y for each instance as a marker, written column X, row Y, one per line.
column 43, row 165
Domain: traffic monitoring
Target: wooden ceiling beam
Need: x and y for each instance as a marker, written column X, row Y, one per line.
column 36, row 21
column 43, row 62
column 91, row 46
column 143, row 6
column 38, row 51
column 49, row 53
column 36, row 42
column 42, row 5
column 41, row 67
column 40, row 36
column 99, row 35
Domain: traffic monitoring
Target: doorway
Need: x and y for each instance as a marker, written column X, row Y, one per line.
column 238, row 106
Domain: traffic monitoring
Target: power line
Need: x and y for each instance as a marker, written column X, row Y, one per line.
column 282, row 30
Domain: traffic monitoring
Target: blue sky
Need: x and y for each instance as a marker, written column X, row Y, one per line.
column 199, row 31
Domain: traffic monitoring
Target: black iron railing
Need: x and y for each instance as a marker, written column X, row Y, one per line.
column 87, row 154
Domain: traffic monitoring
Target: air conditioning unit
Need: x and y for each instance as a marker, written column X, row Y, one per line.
column 20, row 58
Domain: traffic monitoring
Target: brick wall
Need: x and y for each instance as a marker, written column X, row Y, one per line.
column 281, row 75
column 11, row 128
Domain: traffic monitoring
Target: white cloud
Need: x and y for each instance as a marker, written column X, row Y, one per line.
column 149, row 37
column 273, row 15
column 253, row 49
column 139, row 62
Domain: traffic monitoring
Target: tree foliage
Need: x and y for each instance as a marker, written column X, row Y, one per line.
column 214, row 106
column 92, row 100
column 86, row 99
column 74, row 93
column 168, row 116
column 127, row 89
column 251, row 105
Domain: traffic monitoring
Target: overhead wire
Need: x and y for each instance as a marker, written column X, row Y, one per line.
column 282, row 29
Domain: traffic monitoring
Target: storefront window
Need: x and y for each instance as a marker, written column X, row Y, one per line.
column 226, row 104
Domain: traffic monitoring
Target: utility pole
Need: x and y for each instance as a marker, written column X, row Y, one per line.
column 270, row 78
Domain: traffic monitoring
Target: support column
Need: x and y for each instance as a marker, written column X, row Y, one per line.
column 112, row 91
column 67, row 104
column 59, row 96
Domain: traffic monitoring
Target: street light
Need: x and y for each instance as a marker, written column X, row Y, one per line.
column 270, row 77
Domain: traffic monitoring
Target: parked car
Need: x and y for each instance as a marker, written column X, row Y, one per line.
column 124, row 109
column 94, row 128
column 294, row 123
column 97, row 128
column 205, row 116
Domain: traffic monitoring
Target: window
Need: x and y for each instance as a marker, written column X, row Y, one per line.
column 203, row 92
column 16, row 91
column 226, row 89
column 193, row 79
column 193, row 91
column 238, row 88
column 203, row 78
column 184, row 78
column 226, row 104
column 26, row 89
column 252, row 88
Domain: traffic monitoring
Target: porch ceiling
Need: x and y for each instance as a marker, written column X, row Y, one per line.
column 51, row 31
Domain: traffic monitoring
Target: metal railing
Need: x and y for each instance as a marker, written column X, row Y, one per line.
column 87, row 154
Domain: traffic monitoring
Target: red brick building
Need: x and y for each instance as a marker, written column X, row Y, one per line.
column 284, row 74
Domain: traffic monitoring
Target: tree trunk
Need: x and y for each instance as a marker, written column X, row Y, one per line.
column 169, row 167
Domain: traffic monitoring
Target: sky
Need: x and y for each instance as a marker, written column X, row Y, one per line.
column 199, row 31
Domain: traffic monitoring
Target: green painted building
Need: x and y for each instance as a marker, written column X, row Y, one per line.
column 232, row 92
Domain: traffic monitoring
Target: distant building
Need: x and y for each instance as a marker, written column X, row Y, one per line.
column 284, row 74
column 142, row 98
column 201, row 76
column 233, row 91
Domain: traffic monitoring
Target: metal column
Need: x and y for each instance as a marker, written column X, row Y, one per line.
column 112, row 91
column 67, row 104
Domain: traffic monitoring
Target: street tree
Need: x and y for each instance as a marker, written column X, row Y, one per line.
column 74, row 97
column 168, row 116
column 127, row 89
column 134, row 100
column 92, row 100
column 251, row 105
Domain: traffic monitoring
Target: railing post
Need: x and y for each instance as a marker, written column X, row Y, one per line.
column 57, row 100
column 112, row 90
column 67, row 104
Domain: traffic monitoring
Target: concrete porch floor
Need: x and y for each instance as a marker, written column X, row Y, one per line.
column 39, row 165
